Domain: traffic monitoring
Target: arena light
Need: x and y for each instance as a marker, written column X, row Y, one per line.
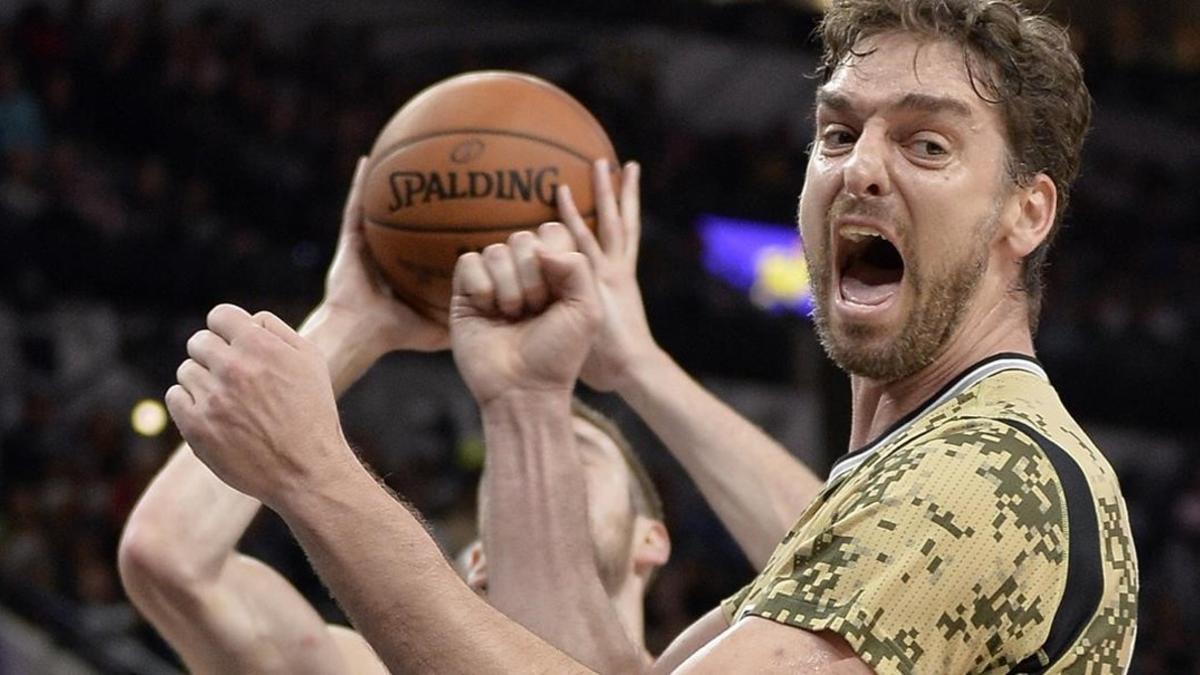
column 763, row 260
column 148, row 417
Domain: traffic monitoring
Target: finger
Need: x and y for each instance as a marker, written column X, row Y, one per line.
column 556, row 237
column 207, row 348
column 471, row 281
column 608, row 216
column 279, row 329
column 194, row 378
column 631, row 207
column 352, row 212
column 179, row 403
column 524, row 246
column 570, row 277
column 502, row 269
column 585, row 241
column 230, row 322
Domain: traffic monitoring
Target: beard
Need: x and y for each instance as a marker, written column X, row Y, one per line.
column 612, row 544
column 941, row 303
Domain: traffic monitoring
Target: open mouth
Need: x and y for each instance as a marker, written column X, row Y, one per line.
column 870, row 266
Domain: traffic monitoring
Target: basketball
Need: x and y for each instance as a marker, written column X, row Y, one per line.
column 466, row 163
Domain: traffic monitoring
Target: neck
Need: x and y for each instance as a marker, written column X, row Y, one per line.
column 629, row 601
column 992, row 329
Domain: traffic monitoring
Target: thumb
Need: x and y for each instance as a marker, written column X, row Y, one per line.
column 279, row 329
column 352, row 212
column 569, row 276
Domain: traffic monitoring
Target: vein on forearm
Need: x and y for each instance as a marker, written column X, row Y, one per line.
column 542, row 569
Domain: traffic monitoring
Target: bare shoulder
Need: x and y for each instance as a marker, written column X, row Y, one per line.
column 762, row 646
column 359, row 657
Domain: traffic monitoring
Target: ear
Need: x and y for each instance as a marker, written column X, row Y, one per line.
column 1035, row 209
column 652, row 548
column 472, row 566
column 474, row 555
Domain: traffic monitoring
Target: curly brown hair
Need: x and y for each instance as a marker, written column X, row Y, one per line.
column 1021, row 62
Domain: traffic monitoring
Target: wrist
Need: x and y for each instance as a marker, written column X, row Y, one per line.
column 525, row 404
column 642, row 370
column 350, row 342
column 335, row 479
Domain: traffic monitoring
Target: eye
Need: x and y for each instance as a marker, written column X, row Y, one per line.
column 932, row 148
column 929, row 148
column 837, row 138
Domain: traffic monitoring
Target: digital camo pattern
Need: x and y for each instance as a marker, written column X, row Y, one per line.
column 948, row 550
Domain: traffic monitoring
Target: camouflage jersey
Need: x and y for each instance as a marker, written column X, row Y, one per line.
column 983, row 533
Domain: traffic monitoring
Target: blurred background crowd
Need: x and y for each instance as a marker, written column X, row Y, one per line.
column 159, row 157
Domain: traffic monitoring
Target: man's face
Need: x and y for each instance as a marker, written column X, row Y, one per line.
column 902, row 195
column 610, row 511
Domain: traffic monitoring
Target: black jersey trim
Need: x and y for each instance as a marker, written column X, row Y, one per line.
column 1085, row 575
column 928, row 403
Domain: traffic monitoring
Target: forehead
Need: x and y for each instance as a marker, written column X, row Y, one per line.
column 898, row 68
column 594, row 445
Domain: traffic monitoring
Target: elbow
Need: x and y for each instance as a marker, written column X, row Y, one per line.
column 149, row 563
column 141, row 559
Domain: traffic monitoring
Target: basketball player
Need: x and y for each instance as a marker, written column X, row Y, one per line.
column 226, row 612
column 973, row 527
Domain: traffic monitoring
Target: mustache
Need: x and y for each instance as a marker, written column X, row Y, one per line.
column 849, row 205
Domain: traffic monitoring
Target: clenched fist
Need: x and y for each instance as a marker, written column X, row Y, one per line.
column 523, row 314
column 255, row 403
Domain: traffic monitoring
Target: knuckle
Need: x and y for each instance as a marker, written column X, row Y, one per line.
column 217, row 404
column 237, row 371
column 511, row 306
column 217, row 312
column 523, row 238
column 494, row 252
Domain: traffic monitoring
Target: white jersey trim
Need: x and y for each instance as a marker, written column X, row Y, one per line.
column 965, row 381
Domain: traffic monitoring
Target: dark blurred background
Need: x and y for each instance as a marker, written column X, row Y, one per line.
column 157, row 158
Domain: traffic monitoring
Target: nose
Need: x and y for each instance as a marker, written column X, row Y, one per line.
column 866, row 170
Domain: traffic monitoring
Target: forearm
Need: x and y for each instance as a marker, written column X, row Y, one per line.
column 184, row 527
column 350, row 342
column 754, row 485
column 399, row 591
column 542, row 568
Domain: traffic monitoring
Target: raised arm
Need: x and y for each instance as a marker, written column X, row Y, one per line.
column 521, row 328
column 754, row 485
column 222, row 611
column 261, row 415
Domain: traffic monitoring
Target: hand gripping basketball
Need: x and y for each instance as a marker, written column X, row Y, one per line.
column 463, row 165
column 523, row 314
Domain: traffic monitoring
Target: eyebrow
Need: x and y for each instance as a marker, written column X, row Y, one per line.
column 912, row 101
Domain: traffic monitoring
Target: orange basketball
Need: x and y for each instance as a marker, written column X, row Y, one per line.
column 464, row 164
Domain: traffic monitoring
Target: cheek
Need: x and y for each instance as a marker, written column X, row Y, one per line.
column 822, row 181
column 608, row 502
column 943, row 222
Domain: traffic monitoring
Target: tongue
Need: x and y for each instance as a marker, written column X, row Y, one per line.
column 865, row 285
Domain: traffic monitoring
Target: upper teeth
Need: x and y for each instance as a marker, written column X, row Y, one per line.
column 857, row 233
